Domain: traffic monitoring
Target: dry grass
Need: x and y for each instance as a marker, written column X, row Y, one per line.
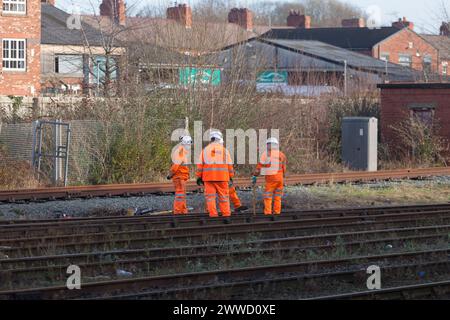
column 404, row 193
column 17, row 175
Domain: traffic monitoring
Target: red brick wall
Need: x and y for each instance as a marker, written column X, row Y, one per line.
column 399, row 43
column 182, row 14
column 27, row 27
column 394, row 109
column 242, row 17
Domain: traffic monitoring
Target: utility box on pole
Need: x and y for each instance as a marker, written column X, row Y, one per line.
column 360, row 143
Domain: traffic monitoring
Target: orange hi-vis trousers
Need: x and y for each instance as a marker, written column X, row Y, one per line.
column 220, row 188
column 234, row 198
column 273, row 190
column 179, row 204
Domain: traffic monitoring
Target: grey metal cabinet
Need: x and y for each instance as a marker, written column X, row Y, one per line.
column 360, row 143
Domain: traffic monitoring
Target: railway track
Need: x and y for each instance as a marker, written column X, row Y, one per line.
column 109, row 266
column 14, row 249
column 162, row 284
column 154, row 188
column 432, row 290
column 301, row 243
column 298, row 284
column 193, row 256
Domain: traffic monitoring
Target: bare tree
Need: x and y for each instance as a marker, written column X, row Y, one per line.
column 328, row 13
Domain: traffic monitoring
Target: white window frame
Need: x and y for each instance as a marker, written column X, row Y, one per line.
column 444, row 68
column 403, row 63
column 15, row 59
column 385, row 56
column 78, row 72
column 9, row 3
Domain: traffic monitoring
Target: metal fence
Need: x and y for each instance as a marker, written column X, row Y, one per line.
column 16, row 145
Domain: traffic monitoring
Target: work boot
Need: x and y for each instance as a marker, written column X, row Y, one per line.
column 240, row 209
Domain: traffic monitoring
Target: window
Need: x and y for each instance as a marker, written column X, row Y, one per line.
column 14, row 6
column 69, row 65
column 384, row 56
column 444, row 68
column 405, row 60
column 423, row 112
column 100, row 69
column 427, row 64
column 424, row 115
column 14, row 54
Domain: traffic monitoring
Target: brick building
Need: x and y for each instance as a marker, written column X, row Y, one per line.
column 42, row 54
column 442, row 43
column 428, row 102
column 20, row 34
column 397, row 44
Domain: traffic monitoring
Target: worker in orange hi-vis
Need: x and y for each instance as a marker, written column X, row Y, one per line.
column 215, row 171
column 179, row 173
column 272, row 165
column 234, row 199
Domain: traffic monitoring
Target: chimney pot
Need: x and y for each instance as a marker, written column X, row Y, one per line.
column 444, row 30
column 353, row 23
column 115, row 9
column 298, row 21
column 242, row 17
column 181, row 13
column 403, row 23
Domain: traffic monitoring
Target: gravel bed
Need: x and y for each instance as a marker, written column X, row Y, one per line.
column 295, row 196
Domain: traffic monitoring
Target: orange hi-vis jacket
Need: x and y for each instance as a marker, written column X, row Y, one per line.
column 215, row 163
column 180, row 168
column 272, row 165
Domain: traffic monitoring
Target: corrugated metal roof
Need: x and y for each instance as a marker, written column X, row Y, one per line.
column 329, row 53
column 349, row 38
column 55, row 30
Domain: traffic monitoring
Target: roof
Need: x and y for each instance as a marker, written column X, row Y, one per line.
column 407, row 85
column 442, row 43
column 348, row 38
column 204, row 36
column 55, row 30
column 336, row 55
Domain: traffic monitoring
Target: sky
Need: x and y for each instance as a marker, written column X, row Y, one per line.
column 426, row 14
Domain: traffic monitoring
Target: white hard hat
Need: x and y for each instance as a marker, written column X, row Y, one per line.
column 272, row 141
column 216, row 134
column 186, row 140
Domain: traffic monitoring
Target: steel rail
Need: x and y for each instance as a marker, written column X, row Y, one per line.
column 169, row 281
column 93, row 268
column 305, row 241
column 434, row 290
column 190, row 232
column 191, row 238
column 133, row 225
column 140, row 189
column 235, row 289
column 201, row 219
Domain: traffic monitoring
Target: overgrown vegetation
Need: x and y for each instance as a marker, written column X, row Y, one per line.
column 419, row 142
column 128, row 138
column 15, row 174
column 362, row 105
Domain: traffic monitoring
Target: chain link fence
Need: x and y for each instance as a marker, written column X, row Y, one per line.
column 16, row 146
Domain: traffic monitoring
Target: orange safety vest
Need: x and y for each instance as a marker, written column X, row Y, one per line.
column 180, row 168
column 272, row 165
column 215, row 163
